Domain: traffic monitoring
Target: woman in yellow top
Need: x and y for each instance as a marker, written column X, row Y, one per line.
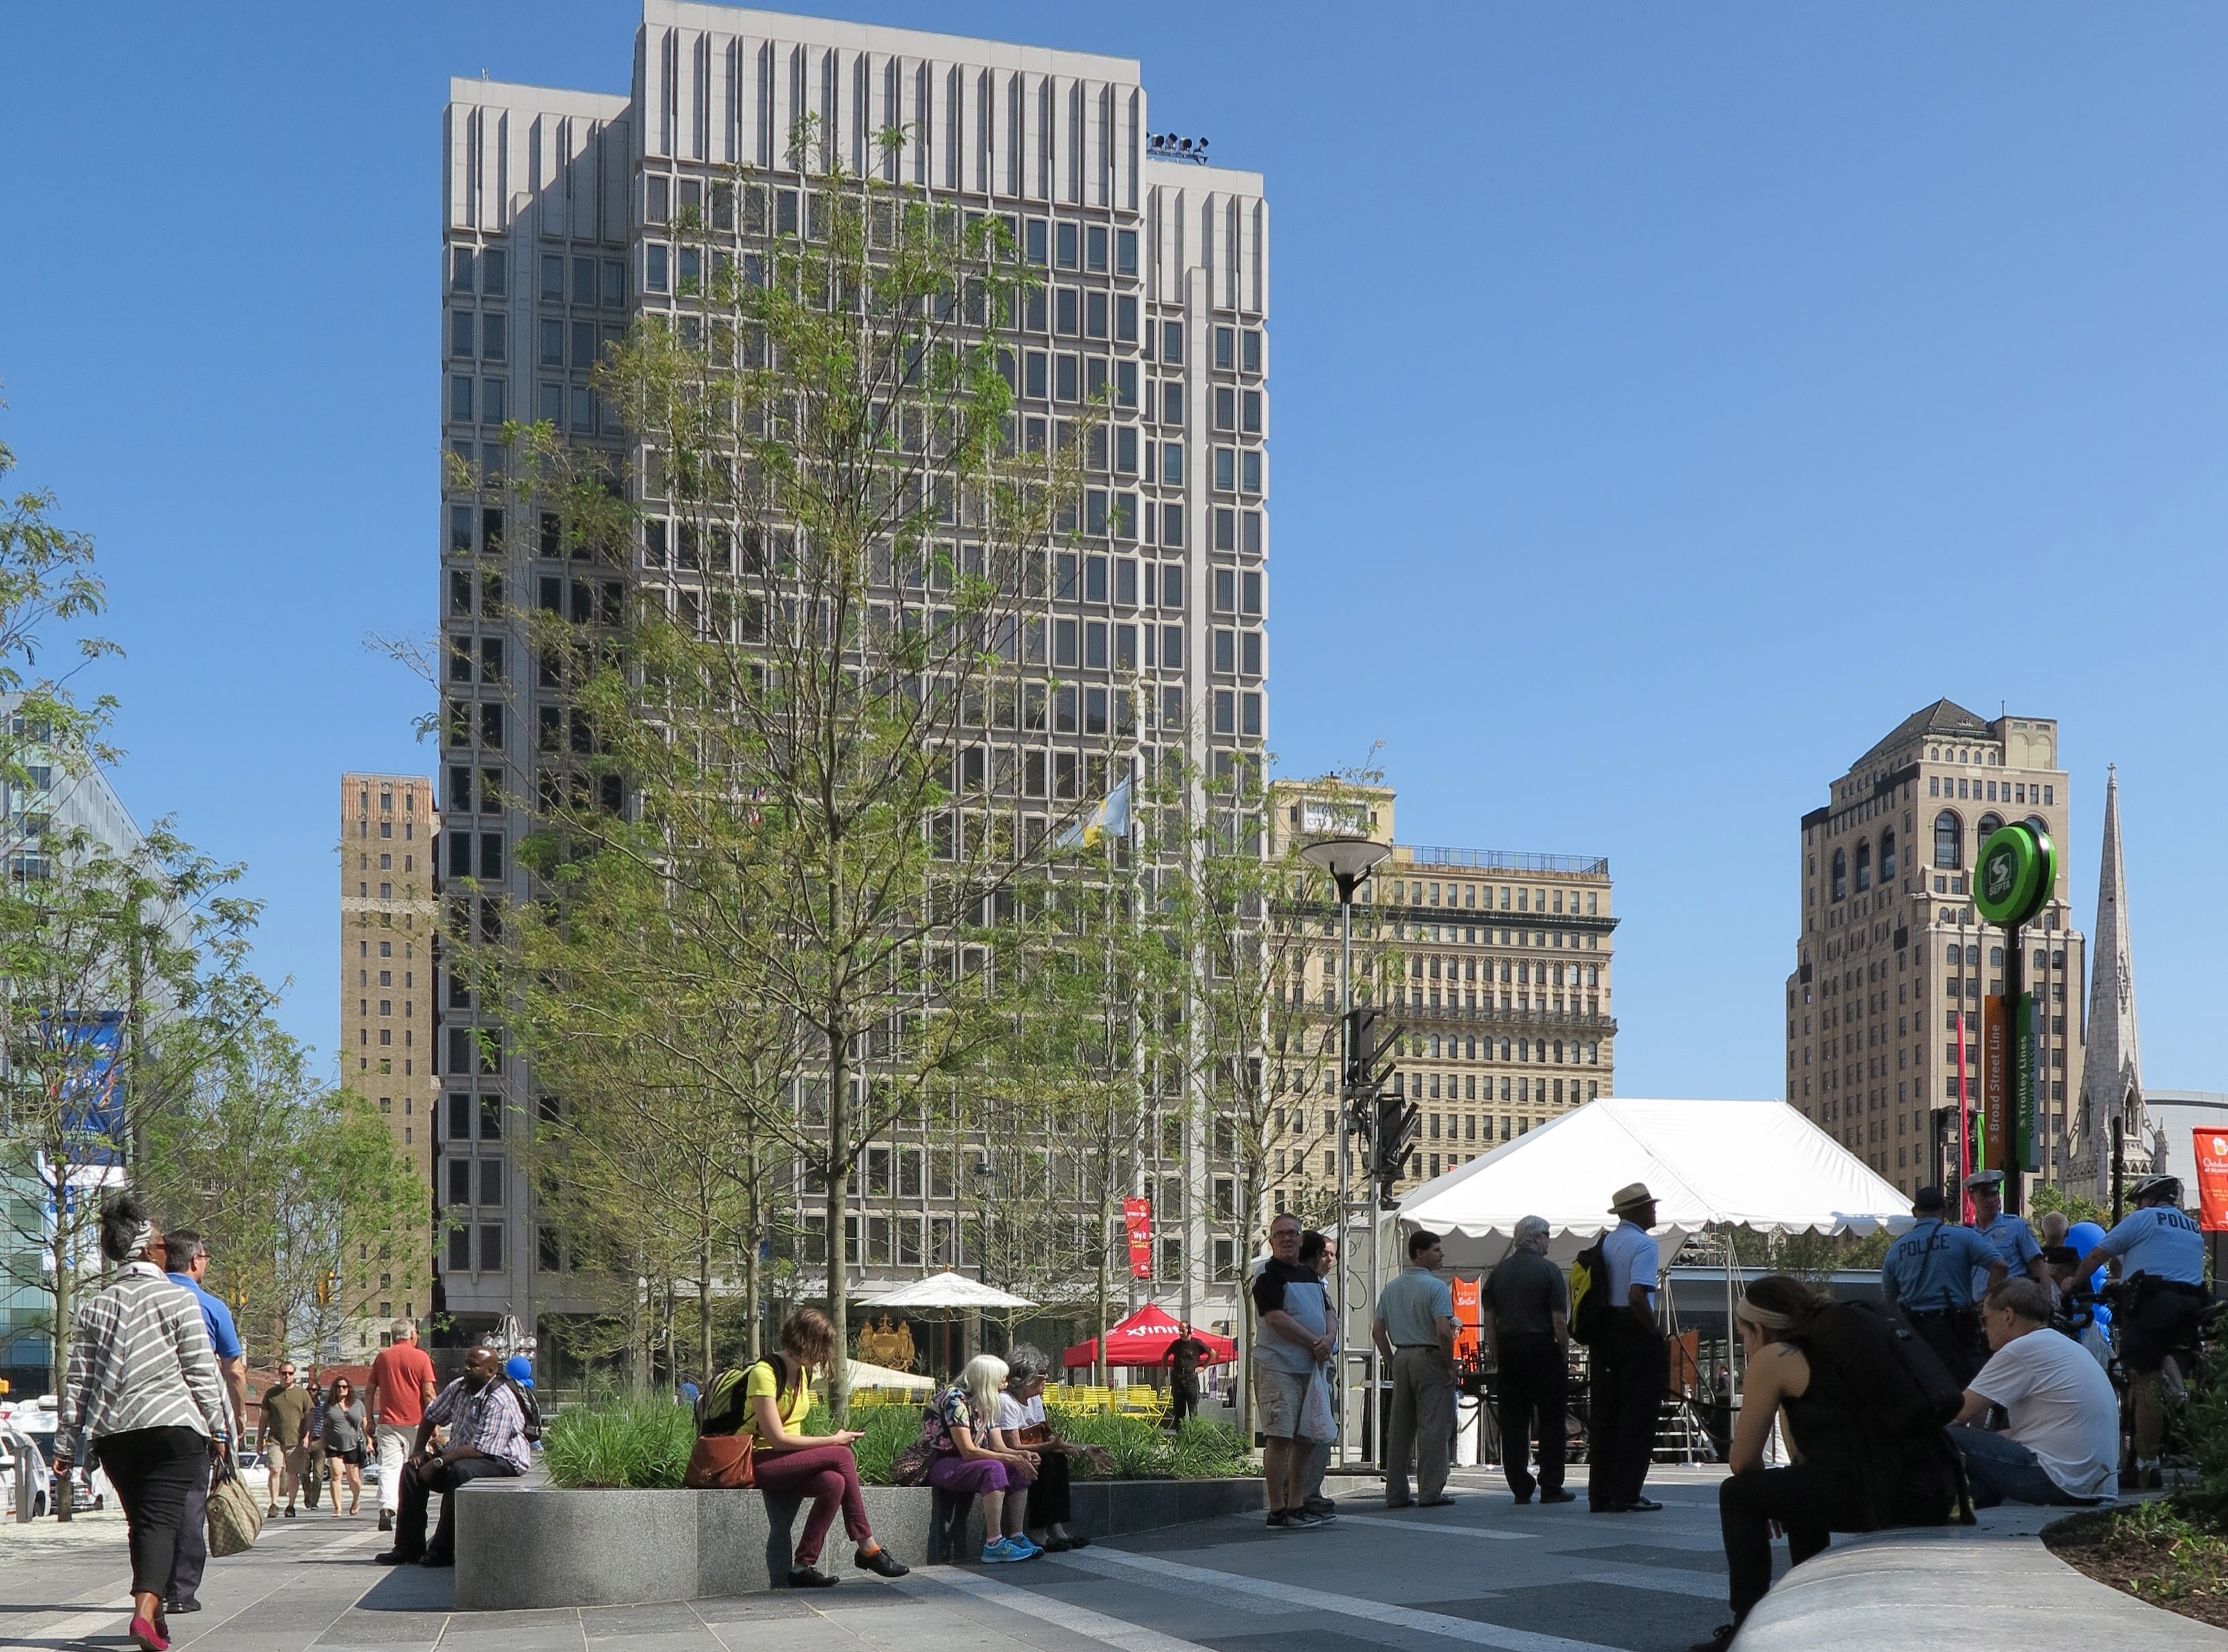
column 821, row 1466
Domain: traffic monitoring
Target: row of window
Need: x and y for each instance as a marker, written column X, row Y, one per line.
column 2013, row 790
column 1416, row 892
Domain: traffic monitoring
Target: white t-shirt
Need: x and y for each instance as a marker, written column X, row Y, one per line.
column 1014, row 1416
column 1633, row 1257
column 2062, row 1409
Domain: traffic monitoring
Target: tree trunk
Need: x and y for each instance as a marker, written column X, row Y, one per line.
column 838, row 1180
column 704, row 1314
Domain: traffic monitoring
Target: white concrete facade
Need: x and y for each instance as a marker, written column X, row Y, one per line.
column 1156, row 283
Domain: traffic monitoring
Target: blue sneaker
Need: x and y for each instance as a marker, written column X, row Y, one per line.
column 997, row 1552
column 1022, row 1547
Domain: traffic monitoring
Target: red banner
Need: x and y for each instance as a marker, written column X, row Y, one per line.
column 2212, row 1180
column 1468, row 1317
column 1137, row 1217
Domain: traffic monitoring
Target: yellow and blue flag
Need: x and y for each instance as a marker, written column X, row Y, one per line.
column 1109, row 817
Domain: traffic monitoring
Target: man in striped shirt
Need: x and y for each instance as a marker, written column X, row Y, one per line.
column 487, row 1436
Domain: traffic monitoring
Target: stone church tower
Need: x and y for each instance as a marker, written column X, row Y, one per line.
column 2112, row 1074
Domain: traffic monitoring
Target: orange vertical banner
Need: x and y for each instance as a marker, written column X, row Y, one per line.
column 1467, row 1317
column 1137, row 1220
column 2212, row 1180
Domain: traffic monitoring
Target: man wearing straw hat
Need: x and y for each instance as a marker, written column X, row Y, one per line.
column 1631, row 1362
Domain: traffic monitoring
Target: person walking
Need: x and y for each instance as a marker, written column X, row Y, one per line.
column 1291, row 1338
column 313, row 1447
column 284, row 1437
column 1319, row 1251
column 189, row 1263
column 1414, row 1330
column 1525, row 1319
column 1183, row 1358
column 487, row 1436
column 959, row 1426
column 144, row 1403
column 346, row 1436
column 401, row 1387
column 2159, row 1249
column 1928, row 1274
column 1631, row 1362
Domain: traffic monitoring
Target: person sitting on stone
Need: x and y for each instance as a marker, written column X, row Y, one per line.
column 959, row 1427
column 2063, row 1444
column 487, row 1436
column 1022, row 1426
column 821, row 1466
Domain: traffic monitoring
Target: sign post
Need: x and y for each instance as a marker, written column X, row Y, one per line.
column 2013, row 879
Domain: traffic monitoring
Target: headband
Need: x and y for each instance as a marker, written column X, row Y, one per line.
column 142, row 1236
column 1762, row 1318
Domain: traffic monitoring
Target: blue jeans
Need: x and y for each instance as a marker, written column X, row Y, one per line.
column 2001, row 1471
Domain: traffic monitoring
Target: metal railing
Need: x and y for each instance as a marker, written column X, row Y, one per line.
column 1584, row 866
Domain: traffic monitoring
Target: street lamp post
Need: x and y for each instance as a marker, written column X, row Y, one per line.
column 1349, row 860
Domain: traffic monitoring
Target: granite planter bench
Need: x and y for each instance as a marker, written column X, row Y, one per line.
column 522, row 1543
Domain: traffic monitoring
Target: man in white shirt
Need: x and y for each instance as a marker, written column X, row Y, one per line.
column 1631, row 1363
column 2063, row 1445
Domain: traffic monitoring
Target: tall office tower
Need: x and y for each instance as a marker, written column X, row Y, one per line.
column 389, row 836
column 1883, row 1006
column 1505, row 990
column 558, row 207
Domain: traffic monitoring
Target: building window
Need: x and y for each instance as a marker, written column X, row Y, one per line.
column 1840, row 876
column 1949, row 841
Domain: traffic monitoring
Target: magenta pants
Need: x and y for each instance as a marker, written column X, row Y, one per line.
column 974, row 1476
column 830, row 1476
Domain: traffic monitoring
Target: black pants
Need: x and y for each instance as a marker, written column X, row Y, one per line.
column 1808, row 1501
column 193, row 1541
column 1631, row 1372
column 1048, row 1504
column 153, row 1470
column 1954, row 1334
column 420, row 1482
column 1186, row 1401
column 1532, row 1375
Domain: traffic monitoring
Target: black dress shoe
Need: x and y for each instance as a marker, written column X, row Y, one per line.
column 1558, row 1495
column 1520, row 1497
column 810, row 1577
column 182, row 1606
column 395, row 1558
column 881, row 1563
column 1077, row 1540
column 385, row 1520
column 442, row 1560
column 1641, row 1505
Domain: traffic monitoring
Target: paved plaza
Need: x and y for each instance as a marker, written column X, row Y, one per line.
column 1482, row 1573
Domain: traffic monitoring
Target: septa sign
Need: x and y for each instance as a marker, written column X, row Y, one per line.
column 1137, row 1217
column 2212, row 1179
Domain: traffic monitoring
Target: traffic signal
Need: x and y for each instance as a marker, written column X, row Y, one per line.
column 1399, row 1128
column 1370, row 1038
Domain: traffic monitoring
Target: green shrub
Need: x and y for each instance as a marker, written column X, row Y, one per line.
column 1143, row 1450
column 626, row 1444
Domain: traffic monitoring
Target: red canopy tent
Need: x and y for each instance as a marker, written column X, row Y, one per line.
column 1144, row 1338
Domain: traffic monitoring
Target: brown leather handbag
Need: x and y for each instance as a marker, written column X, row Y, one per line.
column 721, row 1463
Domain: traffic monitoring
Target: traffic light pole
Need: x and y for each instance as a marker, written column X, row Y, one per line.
column 1344, row 1115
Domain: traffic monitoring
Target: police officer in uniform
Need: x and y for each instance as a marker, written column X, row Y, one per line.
column 1928, row 1274
column 2010, row 1237
column 2160, row 1251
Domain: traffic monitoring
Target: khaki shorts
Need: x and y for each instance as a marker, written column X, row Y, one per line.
column 1278, row 1398
column 297, row 1463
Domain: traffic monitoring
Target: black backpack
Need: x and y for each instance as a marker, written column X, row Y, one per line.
column 1879, row 1356
column 721, row 1407
column 1589, row 1304
column 529, row 1413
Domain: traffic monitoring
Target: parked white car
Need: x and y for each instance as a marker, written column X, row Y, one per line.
column 17, row 1447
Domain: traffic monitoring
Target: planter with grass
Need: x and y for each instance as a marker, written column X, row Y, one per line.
column 607, row 1523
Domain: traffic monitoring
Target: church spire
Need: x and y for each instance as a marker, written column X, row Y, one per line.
column 2111, row 1072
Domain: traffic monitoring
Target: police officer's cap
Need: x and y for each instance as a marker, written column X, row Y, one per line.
column 1927, row 1201
column 2161, row 1187
column 1992, row 1181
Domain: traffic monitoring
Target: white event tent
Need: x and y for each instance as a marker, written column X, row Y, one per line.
column 1755, row 1165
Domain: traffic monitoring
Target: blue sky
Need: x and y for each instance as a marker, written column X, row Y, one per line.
column 1667, row 401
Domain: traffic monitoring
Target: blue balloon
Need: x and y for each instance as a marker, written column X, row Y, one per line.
column 520, row 1370
column 2083, row 1236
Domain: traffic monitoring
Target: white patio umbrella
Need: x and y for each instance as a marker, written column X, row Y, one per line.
column 947, row 1290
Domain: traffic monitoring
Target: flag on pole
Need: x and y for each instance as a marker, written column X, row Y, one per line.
column 1108, row 818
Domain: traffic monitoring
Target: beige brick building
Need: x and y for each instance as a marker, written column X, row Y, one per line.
column 388, row 835
column 1505, row 990
column 1892, row 959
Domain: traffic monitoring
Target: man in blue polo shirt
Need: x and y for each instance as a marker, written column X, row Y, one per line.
column 2008, row 1236
column 188, row 1262
column 2160, row 1249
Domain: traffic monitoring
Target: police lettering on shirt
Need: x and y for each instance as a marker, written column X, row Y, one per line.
column 2013, row 1241
column 1933, row 1265
column 2159, row 1241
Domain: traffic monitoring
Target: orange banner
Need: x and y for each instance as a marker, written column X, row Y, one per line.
column 1995, row 1084
column 1467, row 1313
column 2212, row 1180
column 1137, row 1218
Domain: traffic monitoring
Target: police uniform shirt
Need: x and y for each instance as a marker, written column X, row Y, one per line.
column 2159, row 1241
column 1932, row 1266
column 2014, row 1244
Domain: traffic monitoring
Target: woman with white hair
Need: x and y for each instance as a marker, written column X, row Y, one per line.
column 144, row 1403
column 1022, row 1426
column 959, row 1425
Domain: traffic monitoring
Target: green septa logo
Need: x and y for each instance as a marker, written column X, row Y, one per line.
column 2018, row 869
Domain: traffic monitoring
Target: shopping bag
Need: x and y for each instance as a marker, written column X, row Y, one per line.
column 1318, row 1420
column 235, row 1518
